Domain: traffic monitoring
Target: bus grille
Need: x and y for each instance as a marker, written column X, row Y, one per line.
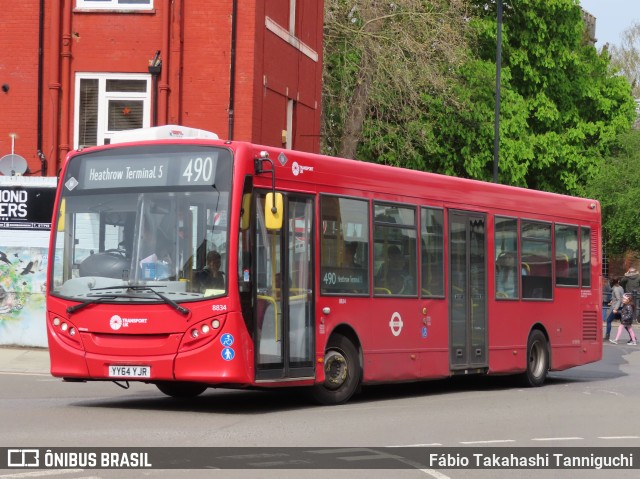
column 589, row 326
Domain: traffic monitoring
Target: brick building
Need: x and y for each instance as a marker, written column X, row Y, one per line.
column 73, row 72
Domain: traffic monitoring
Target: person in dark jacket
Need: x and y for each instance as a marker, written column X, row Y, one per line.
column 626, row 321
column 210, row 277
column 617, row 294
column 631, row 281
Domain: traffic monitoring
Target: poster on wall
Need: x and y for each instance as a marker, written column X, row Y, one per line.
column 26, row 206
column 22, row 299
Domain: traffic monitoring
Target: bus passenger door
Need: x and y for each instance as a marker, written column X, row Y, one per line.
column 468, row 291
column 284, row 295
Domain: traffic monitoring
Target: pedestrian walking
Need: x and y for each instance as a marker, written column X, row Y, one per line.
column 626, row 320
column 631, row 280
column 606, row 297
column 616, row 303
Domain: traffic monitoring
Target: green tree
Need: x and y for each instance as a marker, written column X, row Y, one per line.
column 575, row 105
column 562, row 106
column 616, row 186
column 626, row 56
column 380, row 57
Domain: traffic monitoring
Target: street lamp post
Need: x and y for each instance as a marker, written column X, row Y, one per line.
column 496, row 139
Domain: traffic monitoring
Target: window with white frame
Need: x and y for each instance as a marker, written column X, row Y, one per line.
column 114, row 4
column 107, row 103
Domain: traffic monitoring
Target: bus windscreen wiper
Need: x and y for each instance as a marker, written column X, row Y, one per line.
column 180, row 309
column 142, row 288
column 84, row 304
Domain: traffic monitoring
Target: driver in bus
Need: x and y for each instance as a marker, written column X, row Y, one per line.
column 210, row 277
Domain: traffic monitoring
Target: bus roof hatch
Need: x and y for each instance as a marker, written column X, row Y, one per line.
column 164, row 132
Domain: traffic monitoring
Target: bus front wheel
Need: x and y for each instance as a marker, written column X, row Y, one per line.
column 182, row 390
column 537, row 360
column 342, row 372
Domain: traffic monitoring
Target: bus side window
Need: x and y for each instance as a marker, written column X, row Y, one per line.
column 432, row 254
column 344, row 246
column 395, row 254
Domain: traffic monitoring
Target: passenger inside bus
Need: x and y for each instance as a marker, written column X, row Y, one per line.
column 392, row 276
column 506, row 278
column 351, row 250
column 156, row 251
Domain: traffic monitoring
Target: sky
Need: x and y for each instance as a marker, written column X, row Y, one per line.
column 612, row 18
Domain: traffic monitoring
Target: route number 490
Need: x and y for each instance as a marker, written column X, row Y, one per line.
column 329, row 278
column 199, row 169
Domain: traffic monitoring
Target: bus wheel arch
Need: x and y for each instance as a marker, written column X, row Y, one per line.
column 181, row 389
column 538, row 360
column 342, row 367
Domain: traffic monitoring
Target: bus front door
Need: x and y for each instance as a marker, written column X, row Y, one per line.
column 284, row 295
column 468, row 291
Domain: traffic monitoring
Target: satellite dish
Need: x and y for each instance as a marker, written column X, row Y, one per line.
column 12, row 165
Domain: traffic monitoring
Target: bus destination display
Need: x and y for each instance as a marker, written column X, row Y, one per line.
column 148, row 171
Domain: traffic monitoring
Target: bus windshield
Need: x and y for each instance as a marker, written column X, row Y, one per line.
column 137, row 221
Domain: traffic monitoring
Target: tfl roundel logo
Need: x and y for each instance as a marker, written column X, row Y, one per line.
column 115, row 322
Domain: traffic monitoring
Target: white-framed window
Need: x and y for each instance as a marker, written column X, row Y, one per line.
column 114, row 4
column 106, row 103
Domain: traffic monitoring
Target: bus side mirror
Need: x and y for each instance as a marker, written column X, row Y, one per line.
column 246, row 211
column 273, row 208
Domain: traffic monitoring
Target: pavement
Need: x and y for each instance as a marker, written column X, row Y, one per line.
column 15, row 359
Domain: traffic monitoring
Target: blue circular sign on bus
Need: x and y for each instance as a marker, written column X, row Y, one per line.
column 228, row 354
column 424, row 332
column 226, row 339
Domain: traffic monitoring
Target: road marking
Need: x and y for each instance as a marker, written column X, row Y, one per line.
column 618, row 437
column 23, row 373
column 493, row 441
column 436, row 474
column 557, row 439
column 23, row 475
column 420, row 445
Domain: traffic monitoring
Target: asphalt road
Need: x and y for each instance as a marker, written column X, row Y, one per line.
column 593, row 406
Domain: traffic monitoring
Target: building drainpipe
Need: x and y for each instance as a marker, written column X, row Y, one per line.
column 174, row 101
column 54, row 89
column 232, row 69
column 65, row 130
column 163, row 86
column 43, row 161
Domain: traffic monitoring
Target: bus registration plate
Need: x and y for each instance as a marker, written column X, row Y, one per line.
column 119, row 371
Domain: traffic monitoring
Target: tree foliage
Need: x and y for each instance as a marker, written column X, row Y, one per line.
column 616, row 187
column 433, row 109
column 626, row 57
column 380, row 57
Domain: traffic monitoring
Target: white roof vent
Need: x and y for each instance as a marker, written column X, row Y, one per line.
column 166, row 132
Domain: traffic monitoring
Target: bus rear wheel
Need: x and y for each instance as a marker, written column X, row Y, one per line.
column 537, row 360
column 182, row 390
column 342, row 373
